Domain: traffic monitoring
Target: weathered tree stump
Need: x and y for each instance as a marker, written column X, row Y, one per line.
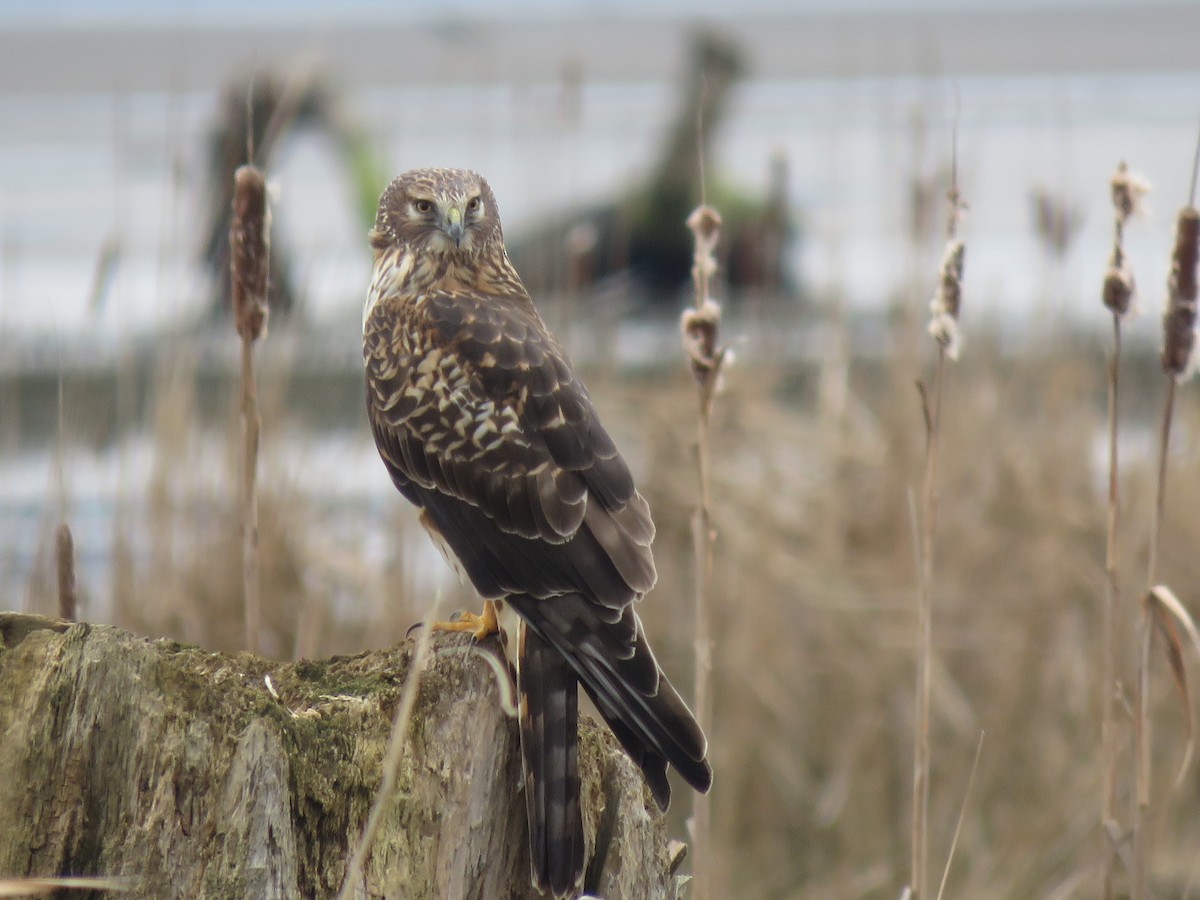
column 183, row 772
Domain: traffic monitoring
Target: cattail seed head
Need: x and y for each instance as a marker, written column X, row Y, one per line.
column 1179, row 321
column 249, row 252
column 947, row 301
column 1119, row 286
column 705, row 225
column 1128, row 189
column 700, row 329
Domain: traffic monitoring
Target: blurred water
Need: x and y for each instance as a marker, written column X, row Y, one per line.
column 79, row 170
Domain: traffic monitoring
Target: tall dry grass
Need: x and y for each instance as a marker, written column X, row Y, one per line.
column 812, row 600
column 811, row 681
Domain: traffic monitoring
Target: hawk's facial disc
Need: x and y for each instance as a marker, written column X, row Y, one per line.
column 438, row 211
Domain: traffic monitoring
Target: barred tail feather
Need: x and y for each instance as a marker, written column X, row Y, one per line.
column 617, row 668
column 549, row 719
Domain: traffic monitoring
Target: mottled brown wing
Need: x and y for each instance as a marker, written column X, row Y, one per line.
column 483, row 423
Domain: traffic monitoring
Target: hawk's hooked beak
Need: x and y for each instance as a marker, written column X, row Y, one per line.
column 453, row 225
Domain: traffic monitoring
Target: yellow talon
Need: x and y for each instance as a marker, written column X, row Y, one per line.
column 481, row 626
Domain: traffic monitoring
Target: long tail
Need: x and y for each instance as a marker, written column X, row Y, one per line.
column 549, row 717
column 608, row 652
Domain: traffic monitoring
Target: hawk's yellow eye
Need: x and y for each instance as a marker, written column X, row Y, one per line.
column 423, row 206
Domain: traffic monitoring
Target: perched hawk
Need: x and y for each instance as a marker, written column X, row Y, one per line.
column 484, row 425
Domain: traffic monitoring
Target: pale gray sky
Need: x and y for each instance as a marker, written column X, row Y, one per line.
column 175, row 12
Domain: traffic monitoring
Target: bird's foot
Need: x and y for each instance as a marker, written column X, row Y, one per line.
column 481, row 626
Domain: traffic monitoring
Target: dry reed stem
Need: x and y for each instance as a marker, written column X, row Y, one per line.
column 36, row 887
column 249, row 244
column 1179, row 323
column 700, row 331
column 1141, row 804
column 251, row 428
column 1142, row 742
column 1117, row 295
column 931, row 409
column 962, row 813
column 64, row 558
column 391, row 760
column 943, row 327
column 1109, row 665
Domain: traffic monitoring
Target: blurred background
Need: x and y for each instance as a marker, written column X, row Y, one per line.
column 824, row 132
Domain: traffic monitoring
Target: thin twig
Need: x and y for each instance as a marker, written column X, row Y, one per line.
column 1109, row 662
column 391, row 759
column 703, row 541
column 64, row 554
column 251, row 427
column 36, row 887
column 962, row 813
column 921, row 756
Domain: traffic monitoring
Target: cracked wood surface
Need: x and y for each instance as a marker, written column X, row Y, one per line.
column 180, row 771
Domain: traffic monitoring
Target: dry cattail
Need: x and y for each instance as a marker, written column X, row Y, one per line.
column 1119, row 286
column 705, row 225
column 1128, row 189
column 700, row 330
column 947, row 301
column 250, row 246
column 701, row 327
column 1179, row 320
column 64, row 557
column 705, row 222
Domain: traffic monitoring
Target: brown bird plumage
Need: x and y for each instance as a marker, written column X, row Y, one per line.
column 484, row 425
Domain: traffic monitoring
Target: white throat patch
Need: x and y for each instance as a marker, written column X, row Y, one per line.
column 391, row 271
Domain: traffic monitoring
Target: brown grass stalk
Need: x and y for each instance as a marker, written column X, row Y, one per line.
column 700, row 329
column 1179, row 336
column 943, row 327
column 962, row 814
column 1109, row 665
column 1117, row 295
column 37, row 887
column 931, row 409
column 249, row 244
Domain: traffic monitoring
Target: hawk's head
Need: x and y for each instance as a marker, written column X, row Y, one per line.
column 446, row 212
